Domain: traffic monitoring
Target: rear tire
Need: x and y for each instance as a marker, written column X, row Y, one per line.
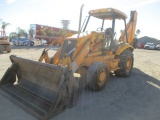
column 125, row 64
column 97, row 76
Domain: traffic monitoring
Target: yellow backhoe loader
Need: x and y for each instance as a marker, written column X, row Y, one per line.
column 46, row 89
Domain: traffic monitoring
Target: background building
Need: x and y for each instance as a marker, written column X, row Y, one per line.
column 47, row 32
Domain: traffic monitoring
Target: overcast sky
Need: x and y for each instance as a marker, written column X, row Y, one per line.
column 22, row 13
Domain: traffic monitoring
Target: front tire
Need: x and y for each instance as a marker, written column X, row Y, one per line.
column 125, row 64
column 97, row 76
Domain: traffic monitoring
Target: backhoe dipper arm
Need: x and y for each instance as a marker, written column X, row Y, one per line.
column 44, row 56
column 130, row 29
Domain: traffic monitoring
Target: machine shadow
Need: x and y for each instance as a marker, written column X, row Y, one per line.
column 135, row 97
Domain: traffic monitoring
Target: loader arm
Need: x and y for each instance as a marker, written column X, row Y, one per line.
column 44, row 56
column 78, row 50
column 130, row 29
column 61, row 39
column 79, row 54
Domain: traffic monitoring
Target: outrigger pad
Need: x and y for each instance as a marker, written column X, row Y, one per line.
column 42, row 89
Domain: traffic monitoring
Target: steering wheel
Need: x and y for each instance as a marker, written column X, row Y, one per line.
column 99, row 29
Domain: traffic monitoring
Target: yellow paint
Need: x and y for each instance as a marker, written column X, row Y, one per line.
column 123, row 47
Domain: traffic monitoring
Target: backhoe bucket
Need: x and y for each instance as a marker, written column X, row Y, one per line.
column 42, row 89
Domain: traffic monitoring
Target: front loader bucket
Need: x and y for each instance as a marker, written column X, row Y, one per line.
column 41, row 89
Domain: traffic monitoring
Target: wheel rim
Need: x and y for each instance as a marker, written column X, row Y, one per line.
column 102, row 77
column 129, row 64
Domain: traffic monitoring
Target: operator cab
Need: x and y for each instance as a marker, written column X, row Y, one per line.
column 108, row 17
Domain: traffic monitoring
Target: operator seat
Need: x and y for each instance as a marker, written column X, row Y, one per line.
column 109, row 33
column 107, row 39
column 110, row 43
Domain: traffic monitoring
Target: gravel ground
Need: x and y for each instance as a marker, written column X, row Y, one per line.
column 134, row 98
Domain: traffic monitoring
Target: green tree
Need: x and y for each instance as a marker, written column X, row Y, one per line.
column 12, row 35
column 21, row 33
column 50, row 33
column 4, row 25
column 25, row 34
column 31, row 32
column 43, row 31
column 62, row 32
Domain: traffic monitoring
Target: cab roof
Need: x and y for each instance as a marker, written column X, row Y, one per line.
column 107, row 13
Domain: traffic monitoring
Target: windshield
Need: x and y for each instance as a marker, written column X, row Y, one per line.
column 95, row 24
